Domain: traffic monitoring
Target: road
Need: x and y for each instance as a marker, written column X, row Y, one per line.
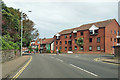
column 68, row 66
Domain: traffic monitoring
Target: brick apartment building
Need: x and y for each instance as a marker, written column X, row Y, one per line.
column 98, row 37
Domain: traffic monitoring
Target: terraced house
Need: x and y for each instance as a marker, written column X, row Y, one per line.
column 47, row 45
column 98, row 37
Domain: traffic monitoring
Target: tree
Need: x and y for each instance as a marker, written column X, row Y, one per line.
column 30, row 48
column 79, row 41
column 36, row 49
column 11, row 25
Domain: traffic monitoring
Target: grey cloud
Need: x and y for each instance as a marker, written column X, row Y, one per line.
column 52, row 17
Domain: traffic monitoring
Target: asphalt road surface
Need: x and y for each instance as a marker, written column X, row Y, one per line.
column 68, row 66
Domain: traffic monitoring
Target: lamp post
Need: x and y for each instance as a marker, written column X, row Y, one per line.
column 22, row 29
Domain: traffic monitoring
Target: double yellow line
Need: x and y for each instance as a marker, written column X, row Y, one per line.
column 18, row 74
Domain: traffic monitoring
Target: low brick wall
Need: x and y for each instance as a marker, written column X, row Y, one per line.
column 8, row 55
column 89, row 52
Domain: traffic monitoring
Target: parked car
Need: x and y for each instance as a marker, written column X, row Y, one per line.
column 25, row 53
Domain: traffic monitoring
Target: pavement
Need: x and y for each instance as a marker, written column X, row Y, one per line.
column 8, row 68
column 67, row 66
column 108, row 60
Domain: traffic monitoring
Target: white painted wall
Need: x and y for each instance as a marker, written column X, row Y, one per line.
column 52, row 46
column 93, row 27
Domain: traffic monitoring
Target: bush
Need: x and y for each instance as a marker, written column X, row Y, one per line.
column 80, row 41
column 36, row 49
column 15, row 52
column 30, row 49
column 59, row 51
column 48, row 51
column 7, row 43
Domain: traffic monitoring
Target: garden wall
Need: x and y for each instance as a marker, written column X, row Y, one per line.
column 8, row 55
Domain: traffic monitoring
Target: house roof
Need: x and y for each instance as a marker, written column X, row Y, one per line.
column 46, row 41
column 87, row 26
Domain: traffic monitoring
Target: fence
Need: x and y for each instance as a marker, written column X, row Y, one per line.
column 117, row 51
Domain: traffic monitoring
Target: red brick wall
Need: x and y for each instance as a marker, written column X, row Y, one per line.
column 63, row 39
column 105, row 42
column 94, row 43
column 86, row 45
column 110, row 35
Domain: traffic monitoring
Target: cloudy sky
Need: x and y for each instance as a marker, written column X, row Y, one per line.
column 53, row 16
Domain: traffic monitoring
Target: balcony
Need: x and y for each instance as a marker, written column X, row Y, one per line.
column 118, row 44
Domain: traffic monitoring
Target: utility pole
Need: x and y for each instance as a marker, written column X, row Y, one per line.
column 22, row 29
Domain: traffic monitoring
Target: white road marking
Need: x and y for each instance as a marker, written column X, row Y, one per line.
column 60, row 60
column 84, row 70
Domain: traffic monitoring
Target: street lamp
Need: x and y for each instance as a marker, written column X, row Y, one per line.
column 22, row 28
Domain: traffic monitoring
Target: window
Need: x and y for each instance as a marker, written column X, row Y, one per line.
column 70, row 36
column 81, row 33
column 96, row 31
column 115, row 31
column 56, row 48
column 75, row 47
column 70, row 48
column 60, row 42
column 56, row 42
column 98, row 39
column 65, row 36
column 65, row 42
column 70, row 42
column 90, row 39
column 65, row 48
column 38, row 42
column 90, row 48
column 75, row 35
column 98, row 48
column 75, row 40
column 118, row 41
column 115, row 40
column 57, row 37
column 81, row 48
column 60, row 48
column 91, row 31
column 118, row 33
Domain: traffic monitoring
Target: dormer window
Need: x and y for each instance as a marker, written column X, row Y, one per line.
column 75, row 33
column 93, row 30
column 57, row 36
column 96, row 31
